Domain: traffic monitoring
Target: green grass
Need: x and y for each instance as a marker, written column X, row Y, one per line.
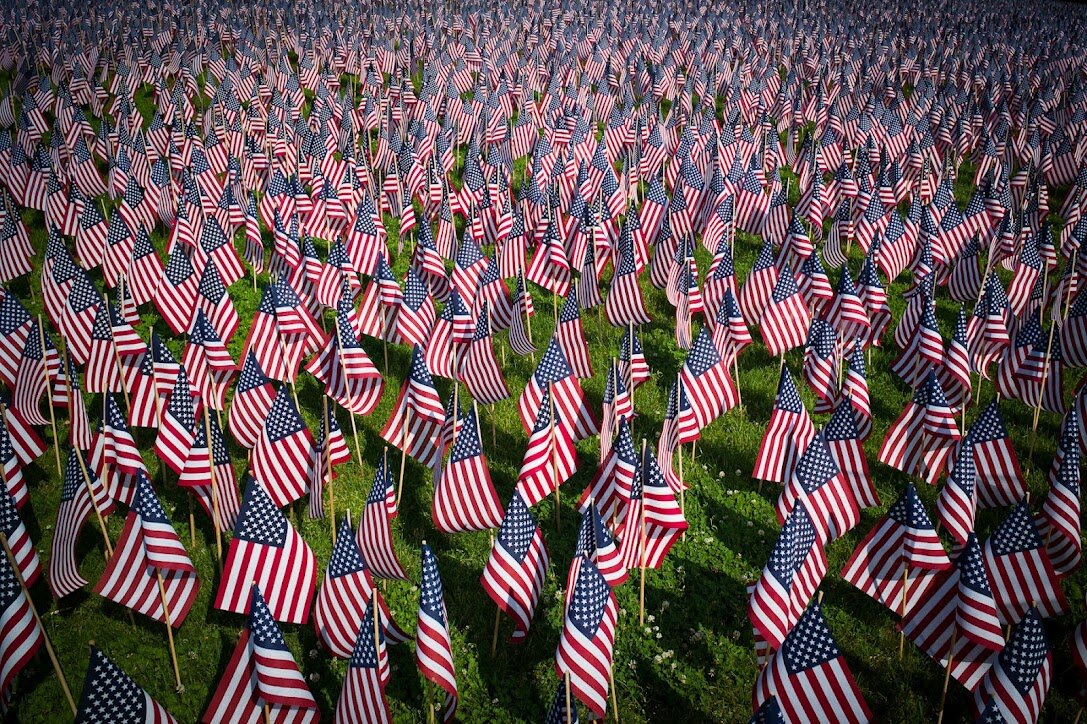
column 693, row 659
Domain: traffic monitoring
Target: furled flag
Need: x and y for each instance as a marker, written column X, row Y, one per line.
column 416, row 420
column 617, row 404
column 282, row 454
column 550, row 458
column 632, row 359
column 262, row 681
column 759, row 285
column 177, row 429
column 611, row 486
column 343, row 597
column 654, row 520
column 587, row 641
column 329, row 452
column 785, row 319
column 433, row 649
column 999, row 481
column 20, row 633
column 1015, row 687
column 559, row 713
column 951, row 616
column 22, row 547
column 375, row 536
column 956, row 504
column 624, row 304
column 820, row 369
column 109, row 694
column 787, row 436
column 595, row 540
column 362, row 698
column 81, row 495
column 514, row 574
column 855, row 388
column 149, row 563
column 554, row 375
column 1020, row 572
column 810, row 677
column 265, row 549
column 464, row 496
column 479, row 369
column 116, row 457
column 796, row 567
column 253, row 398
column 901, row 541
column 1059, row 518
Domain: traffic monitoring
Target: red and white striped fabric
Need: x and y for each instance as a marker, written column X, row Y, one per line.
column 416, row 420
column 362, row 698
column 553, row 374
column 433, row 649
column 550, row 457
column 514, row 573
column 76, row 505
column 375, row 536
column 20, row 633
column 252, row 400
column 268, row 550
column 464, row 496
column 586, row 644
column 787, row 435
column 282, row 453
column 1020, row 572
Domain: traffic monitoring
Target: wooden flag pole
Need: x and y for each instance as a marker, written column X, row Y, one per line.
column 497, row 619
column 49, row 392
column 682, row 487
column 94, row 503
column 37, row 619
column 947, row 674
column 1048, row 352
column 614, row 697
column 554, row 454
column 404, row 439
column 169, row 631
column 214, row 495
column 902, row 613
column 116, row 355
column 569, row 707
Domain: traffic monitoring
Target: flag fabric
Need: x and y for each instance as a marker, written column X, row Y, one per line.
column 20, row 633
column 344, row 597
column 375, row 536
column 999, row 481
column 417, row 418
column 81, row 495
column 1059, row 518
column 847, row 450
column 956, row 505
column 785, row 319
column 464, row 496
column 1019, row 677
column 149, row 563
column 587, row 641
column 261, row 675
column 433, row 649
column 362, row 698
column 788, row 434
column 595, row 539
column 515, row 570
column 550, row 457
column 809, row 676
column 710, row 390
column 610, row 487
column 267, row 550
column 282, row 453
column 176, row 431
column 22, row 547
column 571, row 336
column 109, row 694
column 951, row 616
column 925, row 434
column 253, row 398
column 1020, row 572
column 554, row 375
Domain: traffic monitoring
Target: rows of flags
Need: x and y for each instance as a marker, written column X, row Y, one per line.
column 151, row 159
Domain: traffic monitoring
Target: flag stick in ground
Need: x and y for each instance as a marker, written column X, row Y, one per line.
column 354, row 428
column 384, row 335
column 554, row 453
column 569, row 708
column 947, row 674
column 49, row 392
column 38, row 620
column 214, row 495
column 497, row 619
column 326, row 470
column 355, row 434
column 404, row 442
column 116, row 356
column 641, row 544
column 169, row 631
column 902, row 612
column 108, row 553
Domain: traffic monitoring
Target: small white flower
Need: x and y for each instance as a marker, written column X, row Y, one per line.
column 651, row 618
column 720, row 473
column 657, row 659
column 314, row 676
column 313, row 653
column 648, row 630
column 658, row 636
column 738, row 473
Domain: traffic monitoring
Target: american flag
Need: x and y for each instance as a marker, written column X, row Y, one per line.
column 1059, row 518
column 345, row 594
column 417, row 418
column 785, row 318
column 282, row 453
column 810, row 677
column 22, row 547
column 632, row 358
column 515, row 570
column 759, row 285
column 611, row 486
column 480, row 371
column 957, row 501
column 207, row 466
column 16, row 325
column 595, row 540
column 1020, row 571
column 20, row 633
column 820, row 369
column 464, row 496
column 520, row 341
column 550, row 457
column 212, row 299
column 175, row 295
column 253, row 398
column 1019, row 677
column 362, row 698
column 416, row 313
column 555, row 375
column 558, row 713
column 903, row 539
column 76, row 504
column 265, row 549
column 624, row 304
column 616, row 405
column 329, row 451
column 262, row 677
column 176, row 430
column 1000, row 481
column 925, row 434
column 655, row 522
column 587, row 641
column 32, row 380
column 571, row 336
column 375, row 536
column 149, row 555
column 788, row 434
column 706, row 382
column 433, row 649
column 790, row 578
column 103, row 371
column 847, row 314
column 955, row 607
column 211, row 368
column 109, row 694
column 119, row 453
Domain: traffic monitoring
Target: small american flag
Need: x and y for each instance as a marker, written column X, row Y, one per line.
column 76, row 506
column 433, row 649
column 554, row 373
column 176, row 430
column 362, row 698
column 785, row 318
column 253, row 398
column 788, row 434
column 464, row 496
column 810, row 677
column 375, row 536
column 596, row 541
column 706, row 381
column 587, row 641
column 417, row 418
column 267, row 550
column 20, row 633
column 1019, row 677
column 283, row 451
column 1020, row 571
column 1000, row 481
column 1059, row 518
column 109, row 694
column 514, row 574
column 550, row 457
